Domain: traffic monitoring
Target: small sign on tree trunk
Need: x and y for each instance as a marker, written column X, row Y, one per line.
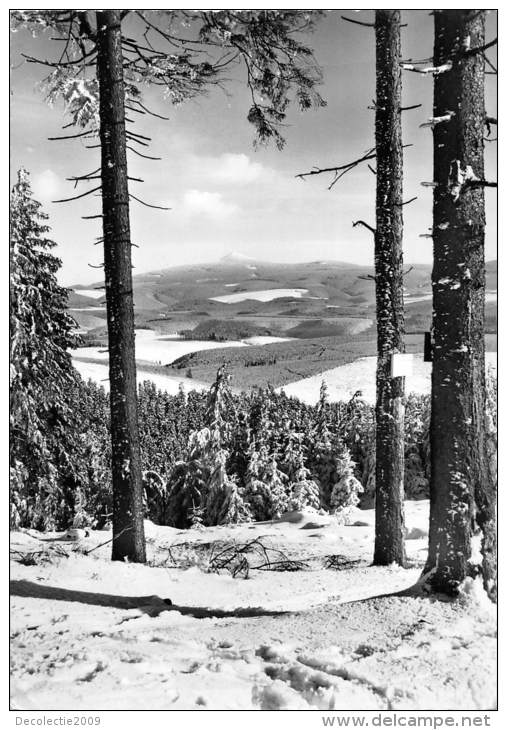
column 401, row 365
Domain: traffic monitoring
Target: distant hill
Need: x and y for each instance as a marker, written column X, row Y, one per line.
column 323, row 292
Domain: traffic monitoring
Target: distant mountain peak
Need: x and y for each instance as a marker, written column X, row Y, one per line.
column 234, row 257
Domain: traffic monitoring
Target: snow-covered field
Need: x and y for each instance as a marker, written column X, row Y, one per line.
column 92, row 293
column 265, row 295
column 344, row 381
column 91, row 634
column 100, row 374
column 155, row 349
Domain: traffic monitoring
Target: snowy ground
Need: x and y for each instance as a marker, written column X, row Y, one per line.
column 344, row 381
column 100, row 374
column 265, row 295
column 154, row 349
column 91, row 634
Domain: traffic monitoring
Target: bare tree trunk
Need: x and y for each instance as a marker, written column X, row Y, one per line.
column 461, row 494
column 128, row 527
column 390, row 407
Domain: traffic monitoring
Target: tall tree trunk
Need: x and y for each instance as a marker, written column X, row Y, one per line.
column 390, row 408
column 461, row 495
column 128, row 528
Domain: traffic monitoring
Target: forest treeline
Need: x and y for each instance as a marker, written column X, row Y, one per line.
column 214, row 458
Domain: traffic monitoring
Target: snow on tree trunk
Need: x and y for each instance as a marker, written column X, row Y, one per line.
column 128, row 528
column 461, row 493
column 390, row 415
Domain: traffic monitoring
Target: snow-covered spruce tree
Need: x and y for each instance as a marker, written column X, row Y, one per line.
column 322, row 456
column 277, row 488
column 301, row 489
column 417, row 453
column 45, row 451
column 201, row 481
column 462, row 495
column 256, row 490
column 224, row 501
column 241, row 437
column 266, row 492
column 188, row 481
column 344, row 495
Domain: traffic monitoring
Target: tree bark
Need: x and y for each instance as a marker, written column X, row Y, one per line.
column 390, row 407
column 128, row 527
column 462, row 496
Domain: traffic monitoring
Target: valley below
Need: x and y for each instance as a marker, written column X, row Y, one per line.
column 284, row 325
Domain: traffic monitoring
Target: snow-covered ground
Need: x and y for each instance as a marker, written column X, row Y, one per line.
column 264, row 340
column 87, row 633
column 490, row 296
column 92, row 293
column 265, row 295
column 155, row 349
column 344, row 381
column 87, row 309
column 100, row 374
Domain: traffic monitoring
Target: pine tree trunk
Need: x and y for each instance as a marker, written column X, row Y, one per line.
column 390, row 407
column 461, row 495
column 128, row 528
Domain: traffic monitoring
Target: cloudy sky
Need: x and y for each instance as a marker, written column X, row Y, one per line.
column 227, row 196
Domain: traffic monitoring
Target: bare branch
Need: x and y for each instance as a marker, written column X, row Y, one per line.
column 406, row 202
column 148, row 111
column 136, row 134
column 86, row 176
column 481, row 49
column 368, row 277
column 147, row 157
column 341, row 170
column 489, row 122
column 369, row 155
column 366, row 225
column 71, row 136
column 76, row 197
column 148, row 205
column 357, row 22
column 407, row 108
column 494, row 69
column 481, row 184
column 435, row 70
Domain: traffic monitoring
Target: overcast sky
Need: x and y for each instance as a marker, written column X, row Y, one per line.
column 224, row 194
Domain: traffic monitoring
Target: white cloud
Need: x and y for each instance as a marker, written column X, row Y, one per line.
column 213, row 205
column 47, row 185
column 235, row 168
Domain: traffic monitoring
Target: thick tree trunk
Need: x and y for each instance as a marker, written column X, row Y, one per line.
column 461, row 494
column 128, row 528
column 390, row 407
